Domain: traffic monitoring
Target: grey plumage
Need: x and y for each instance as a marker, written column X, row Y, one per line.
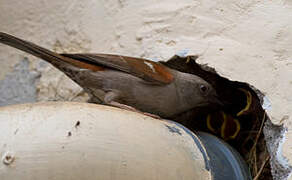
column 127, row 82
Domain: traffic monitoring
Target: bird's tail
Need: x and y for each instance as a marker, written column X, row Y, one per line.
column 55, row 59
column 31, row 48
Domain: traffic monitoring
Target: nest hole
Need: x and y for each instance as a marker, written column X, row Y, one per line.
column 239, row 122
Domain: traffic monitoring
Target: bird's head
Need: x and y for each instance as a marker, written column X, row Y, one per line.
column 199, row 93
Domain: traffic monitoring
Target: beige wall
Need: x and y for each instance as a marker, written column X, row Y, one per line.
column 248, row 40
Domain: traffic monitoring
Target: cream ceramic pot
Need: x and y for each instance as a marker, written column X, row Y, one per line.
column 61, row 141
column 89, row 142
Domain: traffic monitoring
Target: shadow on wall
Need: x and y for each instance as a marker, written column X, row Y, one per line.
column 19, row 86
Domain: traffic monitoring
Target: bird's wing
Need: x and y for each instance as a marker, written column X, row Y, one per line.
column 148, row 70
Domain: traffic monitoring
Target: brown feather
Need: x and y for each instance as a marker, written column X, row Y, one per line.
column 142, row 68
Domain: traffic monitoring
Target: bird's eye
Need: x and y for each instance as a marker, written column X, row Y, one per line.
column 203, row 88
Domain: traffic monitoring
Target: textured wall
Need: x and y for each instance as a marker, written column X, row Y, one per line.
column 247, row 40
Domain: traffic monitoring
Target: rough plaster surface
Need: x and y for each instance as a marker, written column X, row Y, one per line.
column 246, row 40
column 275, row 137
column 54, row 85
column 19, row 86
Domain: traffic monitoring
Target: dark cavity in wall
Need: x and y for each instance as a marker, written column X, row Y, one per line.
column 241, row 121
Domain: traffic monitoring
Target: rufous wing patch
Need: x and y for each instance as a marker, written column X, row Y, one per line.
column 81, row 64
column 149, row 70
column 142, row 68
column 84, row 65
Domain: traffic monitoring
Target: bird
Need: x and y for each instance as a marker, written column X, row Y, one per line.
column 240, row 119
column 223, row 124
column 130, row 83
column 240, row 113
column 227, row 125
